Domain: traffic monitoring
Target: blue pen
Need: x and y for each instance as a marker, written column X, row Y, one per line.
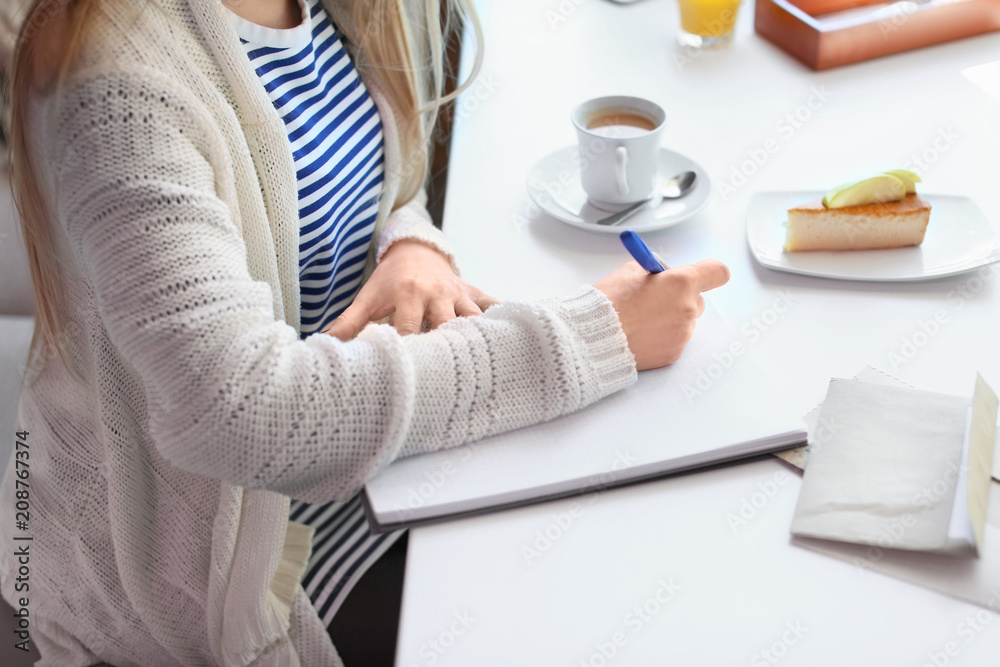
column 641, row 252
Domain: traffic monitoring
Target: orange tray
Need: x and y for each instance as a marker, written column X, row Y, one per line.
column 829, row 33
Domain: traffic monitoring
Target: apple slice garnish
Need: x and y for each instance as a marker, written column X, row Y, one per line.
column 908, row 177
column 873, row 190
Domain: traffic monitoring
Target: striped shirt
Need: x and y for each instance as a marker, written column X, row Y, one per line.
column 336, row 139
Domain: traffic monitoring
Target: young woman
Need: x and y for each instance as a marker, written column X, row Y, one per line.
column 217, row 198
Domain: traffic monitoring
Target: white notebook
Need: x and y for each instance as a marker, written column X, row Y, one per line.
column 715, row 404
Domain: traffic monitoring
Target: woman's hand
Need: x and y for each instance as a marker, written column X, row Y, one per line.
column 415, row 283
column 658, row 310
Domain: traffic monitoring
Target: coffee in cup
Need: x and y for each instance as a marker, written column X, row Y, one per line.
column 620, row 123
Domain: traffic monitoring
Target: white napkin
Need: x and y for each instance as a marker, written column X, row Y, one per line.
column 888, row 469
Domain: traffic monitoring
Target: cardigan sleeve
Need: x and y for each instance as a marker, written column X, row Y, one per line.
column 412, row 221
column 234, row 394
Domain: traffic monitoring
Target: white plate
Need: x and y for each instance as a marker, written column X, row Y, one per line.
column 554, row 184
column 959, row 238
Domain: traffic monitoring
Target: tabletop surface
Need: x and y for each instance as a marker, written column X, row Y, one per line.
column 655, row 573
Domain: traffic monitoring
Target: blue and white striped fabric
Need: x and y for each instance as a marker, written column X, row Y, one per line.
column 336, row 140
column 343, row 550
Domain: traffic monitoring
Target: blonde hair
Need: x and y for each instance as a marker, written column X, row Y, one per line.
column 41, row 60
column 405, row 52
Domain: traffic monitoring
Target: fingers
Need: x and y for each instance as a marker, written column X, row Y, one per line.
column 350, row 323
column 409, row 318
column 415, row 283
column 438, row 312
column 708, row 274
column 481, row 299
column 441, row 310
column 467, row 308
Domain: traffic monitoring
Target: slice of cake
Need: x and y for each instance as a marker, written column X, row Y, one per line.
column 813, row 226
column 883, row 211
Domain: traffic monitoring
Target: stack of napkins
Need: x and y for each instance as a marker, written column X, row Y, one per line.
column 899, row 468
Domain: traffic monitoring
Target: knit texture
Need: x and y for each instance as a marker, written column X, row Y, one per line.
column 160, row 480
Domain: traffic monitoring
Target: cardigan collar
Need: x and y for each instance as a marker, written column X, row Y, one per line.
column 266, row 137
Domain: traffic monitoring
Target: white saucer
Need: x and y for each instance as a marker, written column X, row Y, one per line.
column 554, row 185
column 959, row 238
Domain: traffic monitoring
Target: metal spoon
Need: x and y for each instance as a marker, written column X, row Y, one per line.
column 675, row 188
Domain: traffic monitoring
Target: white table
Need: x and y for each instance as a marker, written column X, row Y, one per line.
column 471, row 596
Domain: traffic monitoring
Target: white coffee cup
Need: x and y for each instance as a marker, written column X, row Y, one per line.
column 619, row 144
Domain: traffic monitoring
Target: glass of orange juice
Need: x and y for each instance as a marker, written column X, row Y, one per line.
column 707, row 24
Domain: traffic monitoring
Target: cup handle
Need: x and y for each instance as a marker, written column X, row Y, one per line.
column 621, row 162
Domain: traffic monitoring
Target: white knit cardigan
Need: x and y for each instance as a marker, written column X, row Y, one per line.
column 160, row 474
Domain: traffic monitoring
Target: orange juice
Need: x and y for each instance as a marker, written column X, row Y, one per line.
column 709, row 18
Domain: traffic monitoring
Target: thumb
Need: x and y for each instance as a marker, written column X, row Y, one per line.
column 349, row 324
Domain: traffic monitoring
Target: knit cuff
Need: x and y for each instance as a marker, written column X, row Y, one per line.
column 412, row 222
column 606, row 357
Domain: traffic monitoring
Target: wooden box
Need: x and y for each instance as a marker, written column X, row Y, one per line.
column 829, row 33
